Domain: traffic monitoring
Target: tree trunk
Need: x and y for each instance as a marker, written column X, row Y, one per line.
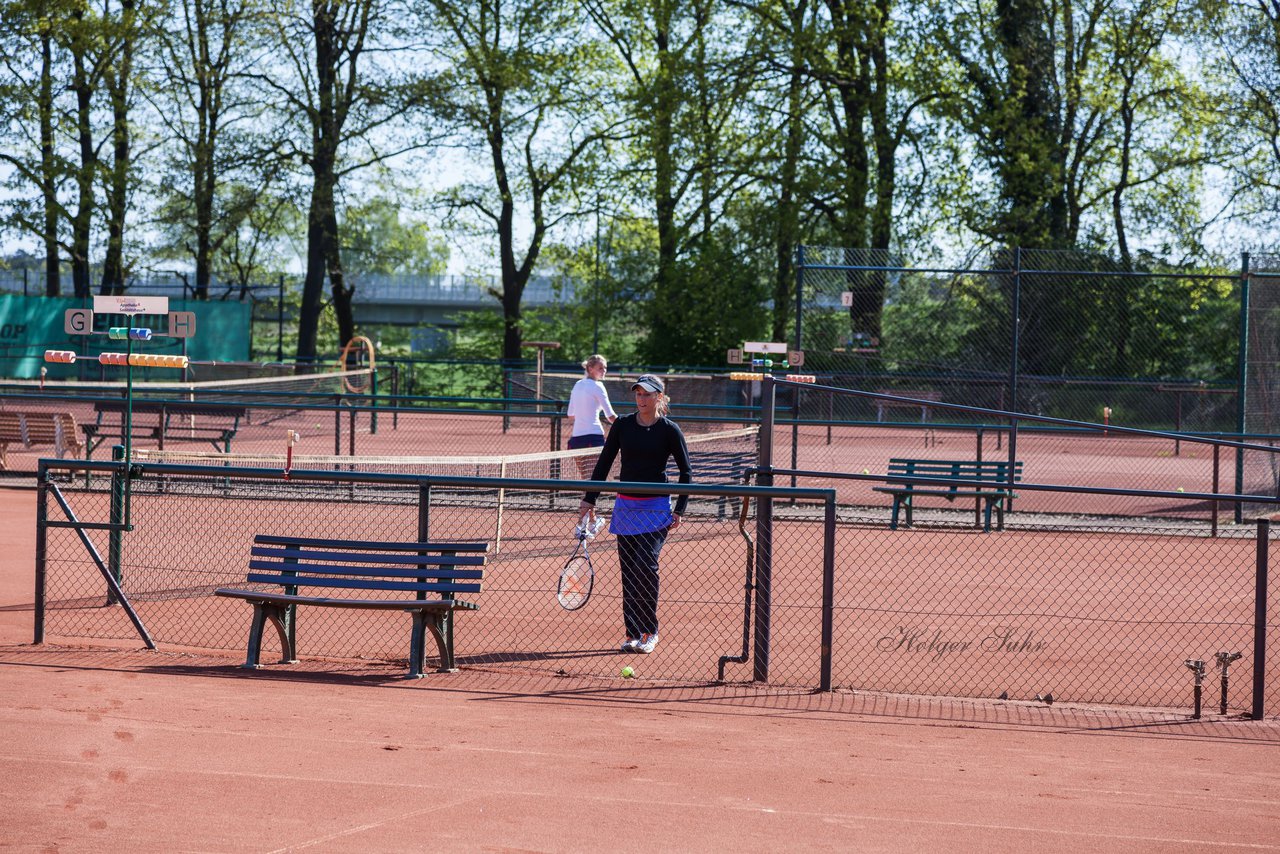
column 312, row 284
column 787, row 236
column 82, row 221
column 48, row 169
column 118, row 187
column 665, row 103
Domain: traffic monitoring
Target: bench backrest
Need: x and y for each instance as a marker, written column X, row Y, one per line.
column 717, row 466
column 446, row 569
column 39, row 428
column 173, row 407
column 919, row 394
column 994, row 471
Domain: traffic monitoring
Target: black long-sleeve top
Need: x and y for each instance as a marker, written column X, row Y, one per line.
column 645, row 451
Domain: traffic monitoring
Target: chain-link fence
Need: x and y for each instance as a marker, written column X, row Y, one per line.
column 1261, row 377
column 797, row 594
column 1156, row 348
column 192, row 530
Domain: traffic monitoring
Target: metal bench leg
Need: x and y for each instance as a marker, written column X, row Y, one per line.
column 262, row 612
column 897, row 503
column 438, row 625
column 906, row 499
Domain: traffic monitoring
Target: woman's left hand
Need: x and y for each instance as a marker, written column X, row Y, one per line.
column 675, row 521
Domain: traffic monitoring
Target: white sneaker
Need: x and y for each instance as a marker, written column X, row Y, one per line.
column 631, row 645
column 647, row 643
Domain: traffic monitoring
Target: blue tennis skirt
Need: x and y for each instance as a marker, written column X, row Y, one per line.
column 637, row 515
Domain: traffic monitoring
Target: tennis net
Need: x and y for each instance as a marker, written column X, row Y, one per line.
column 240, row 390
column 716, row 458
column 710, row 453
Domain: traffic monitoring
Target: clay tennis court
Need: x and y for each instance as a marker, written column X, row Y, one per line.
column 112, row 747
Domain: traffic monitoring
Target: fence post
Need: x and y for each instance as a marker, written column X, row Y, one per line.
column 1242, row 380
column 280, row 321
column 1260, row 620
column 42, row 544
column 764, row 533
column 800, row 297
column 1015, row 328
column 828, row 590
column 119, row 501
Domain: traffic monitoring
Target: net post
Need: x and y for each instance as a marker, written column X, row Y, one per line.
column 1260, row 620
column 764, row 533
column 337, row 425
column 424, row 512
column 502, row 496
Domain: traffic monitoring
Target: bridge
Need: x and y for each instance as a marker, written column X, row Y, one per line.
column 392, row 300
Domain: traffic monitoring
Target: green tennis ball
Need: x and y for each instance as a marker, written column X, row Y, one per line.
column 627, row 672
column 866, row 471
column 1180, row 489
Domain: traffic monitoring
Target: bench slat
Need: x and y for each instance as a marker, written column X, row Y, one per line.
column 365, row 583
column 373, row 559
column 365, row 571
column 332, row 602
column 372, row 545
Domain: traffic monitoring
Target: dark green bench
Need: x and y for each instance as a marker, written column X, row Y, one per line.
column 172, row 421
column 908, row 479
column 396, row 576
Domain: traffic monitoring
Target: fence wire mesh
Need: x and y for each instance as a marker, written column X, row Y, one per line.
column 1089, row 614
column 169, row 572
column 1158, row 348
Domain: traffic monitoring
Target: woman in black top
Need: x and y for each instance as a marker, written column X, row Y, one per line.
column 646, row 439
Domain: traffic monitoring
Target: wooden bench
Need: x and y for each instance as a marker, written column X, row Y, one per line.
column 173, row 421
column 883, row 405
column 29, row 429
column 394, row 576
column 904, row 484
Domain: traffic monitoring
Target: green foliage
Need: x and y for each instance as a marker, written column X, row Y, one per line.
column 378, row 239
column 715, row 304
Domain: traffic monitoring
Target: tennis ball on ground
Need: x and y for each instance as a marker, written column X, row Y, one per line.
column 866, row 471
column 627, row 672
column 1180, row 489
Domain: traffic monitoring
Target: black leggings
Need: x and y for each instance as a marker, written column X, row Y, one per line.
column 638, row 557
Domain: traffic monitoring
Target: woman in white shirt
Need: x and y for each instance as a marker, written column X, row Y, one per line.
column 587, row 401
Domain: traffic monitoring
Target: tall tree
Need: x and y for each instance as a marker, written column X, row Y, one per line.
column 339, row 84
column 524, row 83
column 124, row 31
column 1248, row 111
column 870, row 106
column 32, row 120
column 685, row 85
column 206, row 48
column 784, row 97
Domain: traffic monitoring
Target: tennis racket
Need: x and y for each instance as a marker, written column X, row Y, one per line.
column 578, row 575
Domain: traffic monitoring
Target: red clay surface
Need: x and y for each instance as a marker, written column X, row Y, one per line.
column 127, row 749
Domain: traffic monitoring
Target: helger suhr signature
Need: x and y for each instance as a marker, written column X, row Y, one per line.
column 932, row 643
